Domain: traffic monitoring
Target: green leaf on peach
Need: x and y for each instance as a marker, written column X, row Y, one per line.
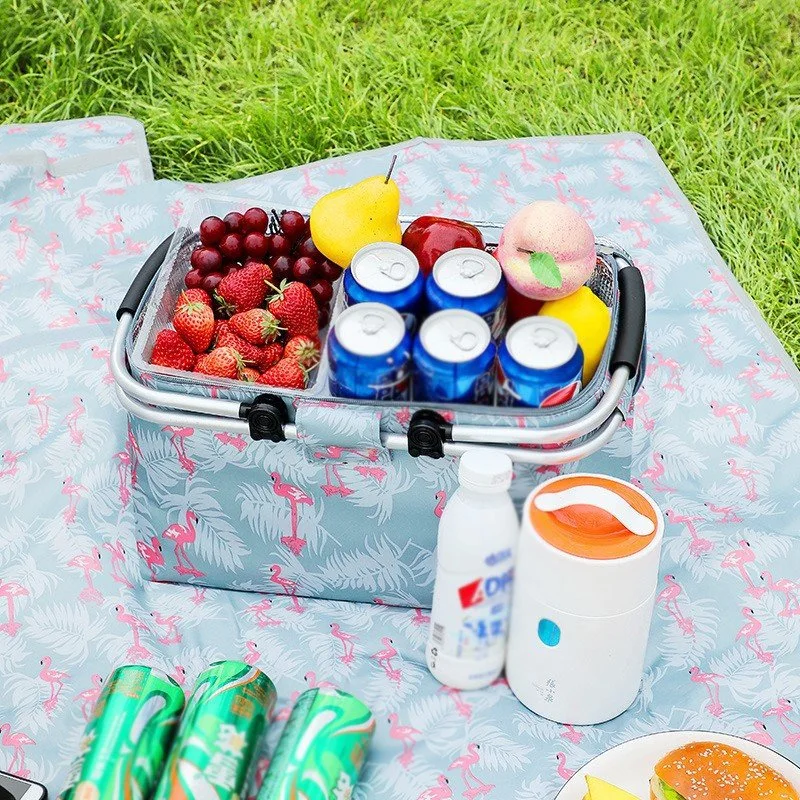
column 545, row 270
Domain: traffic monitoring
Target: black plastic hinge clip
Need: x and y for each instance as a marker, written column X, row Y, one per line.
column 266, row 415
column 427, row 433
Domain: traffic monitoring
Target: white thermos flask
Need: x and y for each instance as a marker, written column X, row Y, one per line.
column 584, row 590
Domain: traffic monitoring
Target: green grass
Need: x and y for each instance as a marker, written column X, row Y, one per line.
column 228, row 89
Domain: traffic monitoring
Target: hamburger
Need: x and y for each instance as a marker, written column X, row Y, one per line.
column 713, row 771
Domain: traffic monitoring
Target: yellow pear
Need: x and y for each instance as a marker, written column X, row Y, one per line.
column 601, row 790
column 342, row 222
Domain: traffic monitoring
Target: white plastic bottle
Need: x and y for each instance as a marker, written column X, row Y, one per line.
column 478, row 534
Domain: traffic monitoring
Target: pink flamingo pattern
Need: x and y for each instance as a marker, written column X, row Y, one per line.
column 674, row 368
column 698, row 546
column 463, row 709
column 668, row 597
column 11, row 590
column 314, row 683
column 563, row 771
column 749, row 632
column 177, row 437
column 760, row 734
column 136, row 650
column 405, row 735
column 252, row 655
column 726, row 514
column 441, row 500
column 55, row 678
column 750, row 376
column 739, row 560
column 706, row 340
column 171, row 633
column 117, row 551
column 289, row 587
column 710, row 681
column 17, row 742
column 152, row 554
column 384, row 658
column 88, row 563
column 656, row 472
column 781, row 714
column 732, row 413
column 571, row 734
column 72, row 491
column 332, row 472
column 237, row 442
column 296, row 497
column 181, row 536
column 88, row 697
column 465, row 763
column 40, row 403
column 747, row 476
column 789, row 589
column 348, row 641
column 441, row 791
column 260, row 614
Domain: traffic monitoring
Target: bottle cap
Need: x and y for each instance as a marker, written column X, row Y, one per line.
column 485, row 470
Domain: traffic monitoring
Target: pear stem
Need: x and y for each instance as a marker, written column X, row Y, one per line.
column 391, row 168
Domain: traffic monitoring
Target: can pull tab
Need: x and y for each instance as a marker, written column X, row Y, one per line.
column 597, row 496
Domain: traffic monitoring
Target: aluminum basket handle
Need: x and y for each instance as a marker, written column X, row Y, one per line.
column 266, row 417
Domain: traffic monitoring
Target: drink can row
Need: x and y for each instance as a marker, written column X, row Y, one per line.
column 322, row 748
column 219, row 734
column 127, row 740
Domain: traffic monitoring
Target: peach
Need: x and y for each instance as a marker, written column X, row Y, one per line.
column 546, row 250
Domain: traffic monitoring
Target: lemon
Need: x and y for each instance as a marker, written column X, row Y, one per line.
column 588, row 316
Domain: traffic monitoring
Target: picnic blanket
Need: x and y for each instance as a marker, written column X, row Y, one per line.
column 716, row 438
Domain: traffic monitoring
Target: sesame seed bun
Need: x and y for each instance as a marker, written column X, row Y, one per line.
column 712, row 771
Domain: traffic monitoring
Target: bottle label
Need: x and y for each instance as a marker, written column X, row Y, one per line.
column 472, row 617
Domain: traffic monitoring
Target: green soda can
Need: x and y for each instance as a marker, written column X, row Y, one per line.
column 322, row 749
column 126, row 742
column 219, row 734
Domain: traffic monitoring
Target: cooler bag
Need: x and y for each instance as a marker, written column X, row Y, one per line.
column 241, row 486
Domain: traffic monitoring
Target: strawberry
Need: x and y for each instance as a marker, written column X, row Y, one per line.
column 195, row 323
column 287, row 374
column 249, row 352
column 294, row 306
column 243, row 289
column 256, row 326
column 222, row 362
column 249, row 375
column 193, row 296
column 170, row 350
column 304, row 350
column 270, row 355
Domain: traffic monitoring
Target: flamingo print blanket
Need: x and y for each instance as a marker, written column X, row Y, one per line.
column 716, row 438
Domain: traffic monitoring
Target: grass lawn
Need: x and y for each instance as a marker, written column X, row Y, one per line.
column 232, row 88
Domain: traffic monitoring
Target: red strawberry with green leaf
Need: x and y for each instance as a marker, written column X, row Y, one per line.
column 193, row 296
column 195, row 323
column 270, row 355
column 249, row 375
column 249, row 352
column 256, row 326
column 304, row 350
column 169, row 350
column 222, row 362
column 243, row 289
column 293, row 304
column 286, row 374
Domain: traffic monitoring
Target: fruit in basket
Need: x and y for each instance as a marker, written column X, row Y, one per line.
column 256, row 326
column 293, row 224
column 323, row 317
column 221, row 362
column 287, row 374
column 210, row 282
column 293, row 304
column 308, row 249
column 231, row 246
column 195, row 323
column 256, row 244
column 304, row 350
column 281, row 267
column 212, row 230
column 280, row 245
column 193, row 279
column 249, row 352
column 169, row 350
column 249, row 375
column 590, row 318
column 345, row 220
column 269, row 355
column 328, row 270
column 193, row 296
column 233, row 222
column 255, row 220
column 546, row 250
column 304, row 269
column 519, row 307
column 243, row 289
column 429, row 237
column 322, row 291
column 206, row 259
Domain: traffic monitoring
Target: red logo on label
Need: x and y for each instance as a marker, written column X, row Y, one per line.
column 560, row 396
column 471, row 594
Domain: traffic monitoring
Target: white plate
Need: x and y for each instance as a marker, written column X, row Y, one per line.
column 630, row 765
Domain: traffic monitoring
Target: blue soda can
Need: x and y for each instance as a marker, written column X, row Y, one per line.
column 369, row 354
column 386, row 273
column 472, row 279
column 454, row 358
column 539, row 364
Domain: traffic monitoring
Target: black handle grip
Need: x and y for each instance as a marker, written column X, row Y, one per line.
column 143, row 278
column 632, row 314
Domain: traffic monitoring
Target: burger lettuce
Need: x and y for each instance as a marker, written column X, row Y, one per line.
column 663, row 791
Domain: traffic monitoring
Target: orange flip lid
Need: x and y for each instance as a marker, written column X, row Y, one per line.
column 591, row 523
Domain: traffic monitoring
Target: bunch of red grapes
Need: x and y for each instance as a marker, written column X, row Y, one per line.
column 282, row 240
